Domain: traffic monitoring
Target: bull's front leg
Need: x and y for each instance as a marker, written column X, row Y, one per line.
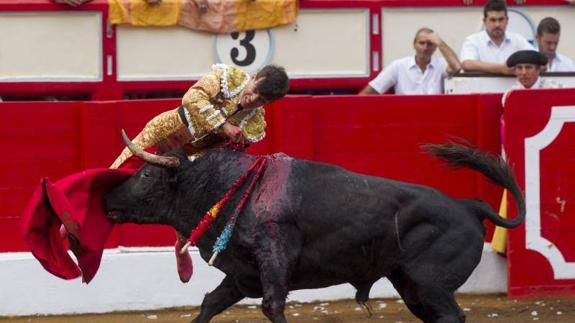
column 277, row 253
column 224, row 296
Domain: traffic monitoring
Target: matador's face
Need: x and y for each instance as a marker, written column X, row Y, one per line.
column 250, row 98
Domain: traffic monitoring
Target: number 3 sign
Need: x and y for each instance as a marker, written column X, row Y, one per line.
column 249, row 50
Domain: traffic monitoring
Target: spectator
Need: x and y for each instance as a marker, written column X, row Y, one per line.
column 487, row 50
column 527, row 66
column 419, row 74
column 547, row 38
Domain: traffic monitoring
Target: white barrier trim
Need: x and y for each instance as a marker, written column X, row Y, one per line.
column 145, row 278
column 533, row 239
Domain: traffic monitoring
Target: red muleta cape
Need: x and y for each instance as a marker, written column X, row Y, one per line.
column 76, row 202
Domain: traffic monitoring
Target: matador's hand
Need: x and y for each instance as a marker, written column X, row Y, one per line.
column 235, row 133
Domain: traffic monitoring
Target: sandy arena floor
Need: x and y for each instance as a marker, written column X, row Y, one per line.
column 478, row 308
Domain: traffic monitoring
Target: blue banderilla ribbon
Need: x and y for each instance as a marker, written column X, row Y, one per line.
column 222, row 242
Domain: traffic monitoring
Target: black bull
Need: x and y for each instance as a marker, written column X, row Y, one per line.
column 312, row 225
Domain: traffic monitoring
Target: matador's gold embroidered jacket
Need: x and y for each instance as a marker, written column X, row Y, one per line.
column 209, row 103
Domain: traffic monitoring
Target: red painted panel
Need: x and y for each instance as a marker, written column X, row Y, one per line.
column 37, row 139
column 10, row 235
column 34, row 135
column 12, row 199
column 293, row 127
column 146, row 235
column 378, row 135
column 383, row 134
column 558, row 192
column 527, row 113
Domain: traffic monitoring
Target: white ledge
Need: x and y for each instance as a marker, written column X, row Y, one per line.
column 146, row 278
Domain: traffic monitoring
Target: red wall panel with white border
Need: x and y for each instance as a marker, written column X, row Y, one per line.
column 539, row 132
column 373, row 135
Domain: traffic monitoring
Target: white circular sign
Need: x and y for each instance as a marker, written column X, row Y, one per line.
column 520, row 22
column 249, row 50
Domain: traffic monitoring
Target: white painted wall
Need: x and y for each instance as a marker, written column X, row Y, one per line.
column 326, row 43
column 494, row 84
column 143, row 279
column 62, row 46
column 50, row 46
column 323, row 43
column 167, row 53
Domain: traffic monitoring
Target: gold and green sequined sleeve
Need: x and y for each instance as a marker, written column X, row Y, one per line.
column 159, row 128
column 204, row 116
column 254, row 125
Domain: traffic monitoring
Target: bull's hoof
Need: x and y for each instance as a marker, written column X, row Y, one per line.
column 367, row 308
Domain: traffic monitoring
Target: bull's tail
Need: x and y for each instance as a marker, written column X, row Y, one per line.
column 493, row 167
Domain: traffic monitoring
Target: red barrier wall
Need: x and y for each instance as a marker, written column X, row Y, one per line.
column 36, row 140
column 381, row 135
column 540, row 127
column 378, row 135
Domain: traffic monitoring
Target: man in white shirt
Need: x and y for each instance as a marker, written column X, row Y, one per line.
column 419, row 74
column 487, row 50
column 547, row 38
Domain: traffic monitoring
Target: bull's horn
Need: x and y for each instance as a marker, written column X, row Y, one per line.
column 162, row 161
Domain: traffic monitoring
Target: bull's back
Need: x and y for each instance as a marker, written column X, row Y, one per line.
column 353, row 225
column 347, row 222
column 333, row 197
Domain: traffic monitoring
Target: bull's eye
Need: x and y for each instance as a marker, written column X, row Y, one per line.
column 146, row 173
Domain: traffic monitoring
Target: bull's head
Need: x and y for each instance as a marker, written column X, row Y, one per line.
column 147, row 196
